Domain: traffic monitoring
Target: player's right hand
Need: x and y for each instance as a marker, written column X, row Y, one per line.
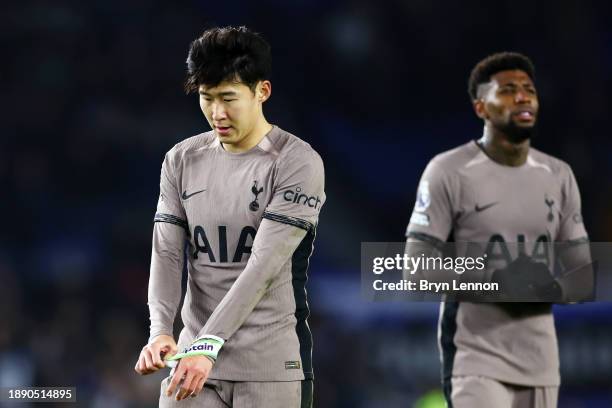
column 152, row 354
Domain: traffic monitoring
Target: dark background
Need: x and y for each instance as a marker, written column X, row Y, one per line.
column 92, row 99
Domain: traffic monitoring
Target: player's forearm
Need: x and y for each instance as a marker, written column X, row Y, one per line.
column 434, row 271
column 416, row 248
column 274, row 244
column 425, row 247
column 577, row 280
column 165, row 278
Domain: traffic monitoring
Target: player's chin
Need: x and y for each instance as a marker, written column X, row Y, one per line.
column 525, row 127
column 227, row 139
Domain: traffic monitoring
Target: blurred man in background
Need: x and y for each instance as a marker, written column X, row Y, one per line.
column 246, row 196
column 501, row 191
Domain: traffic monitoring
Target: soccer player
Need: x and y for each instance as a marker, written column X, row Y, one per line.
column 501, row 191
column 246, row 198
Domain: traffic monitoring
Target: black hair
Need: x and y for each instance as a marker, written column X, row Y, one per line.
column 227, row 53
column 501, row 61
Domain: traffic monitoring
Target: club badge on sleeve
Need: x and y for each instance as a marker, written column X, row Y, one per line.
column 423, row 197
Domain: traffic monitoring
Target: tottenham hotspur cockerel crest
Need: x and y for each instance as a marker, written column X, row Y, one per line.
column 254, row 205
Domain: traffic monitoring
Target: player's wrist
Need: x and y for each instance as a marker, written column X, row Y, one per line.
column 156, row 336
column 207, row 346
column 160, row 336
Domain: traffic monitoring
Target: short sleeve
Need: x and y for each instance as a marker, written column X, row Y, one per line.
column 432, row 216
column 572, row 226
column 169, row 206
column 298, row 191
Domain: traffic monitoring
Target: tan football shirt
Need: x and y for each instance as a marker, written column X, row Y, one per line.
column 480, row 200
column 249, row 220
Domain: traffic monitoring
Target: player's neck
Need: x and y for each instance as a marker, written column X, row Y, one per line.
column 252, row 139
column 499, row 148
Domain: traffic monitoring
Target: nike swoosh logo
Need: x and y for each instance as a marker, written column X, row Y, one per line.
column 484, row 207
column 185, row 196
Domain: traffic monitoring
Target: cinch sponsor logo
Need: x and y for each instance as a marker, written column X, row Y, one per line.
column 300, row 198
column 199, row 347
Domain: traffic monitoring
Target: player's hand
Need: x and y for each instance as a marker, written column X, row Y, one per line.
column 152, row 355
column 527, row 281
column 193, row 371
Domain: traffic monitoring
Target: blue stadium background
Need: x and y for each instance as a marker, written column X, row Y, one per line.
column 92, row 99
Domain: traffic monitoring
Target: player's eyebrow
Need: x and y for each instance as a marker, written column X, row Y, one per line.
column 513, row 85
column 226, row 93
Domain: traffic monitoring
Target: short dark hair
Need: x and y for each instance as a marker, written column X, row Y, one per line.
column 226, row 53
column 491, row 65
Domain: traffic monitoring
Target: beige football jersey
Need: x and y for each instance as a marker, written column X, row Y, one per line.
column 479, row 200
column 249, row 220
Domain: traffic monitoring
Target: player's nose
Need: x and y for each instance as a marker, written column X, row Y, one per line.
column 218, row 112
column 522, row 97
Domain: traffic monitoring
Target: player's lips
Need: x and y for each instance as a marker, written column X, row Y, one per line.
column 525, row 114
column 223, row 130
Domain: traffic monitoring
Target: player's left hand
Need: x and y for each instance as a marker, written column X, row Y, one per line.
column 193, row 372
column 527, row 281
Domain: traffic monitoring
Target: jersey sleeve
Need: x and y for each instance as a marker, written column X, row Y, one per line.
column 298, row 191
column 169, row 206
column 571, row 225
column 432, row 216
column 164, row 293
column 167, row 255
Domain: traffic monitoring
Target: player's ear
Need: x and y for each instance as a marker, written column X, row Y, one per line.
column 263, row 91
column 479, row 108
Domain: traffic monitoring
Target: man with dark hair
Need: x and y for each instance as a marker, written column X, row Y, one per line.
column 515, row 130
column 500, row 191
column 246, row 197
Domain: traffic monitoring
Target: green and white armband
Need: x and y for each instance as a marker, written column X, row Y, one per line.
column 208, row 346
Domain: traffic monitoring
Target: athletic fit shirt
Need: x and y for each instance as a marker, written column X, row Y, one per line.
column 464, row 191
column 250, row 220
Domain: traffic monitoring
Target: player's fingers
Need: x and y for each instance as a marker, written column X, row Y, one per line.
column 187, row 386
column 176, row 378
column 148, row 358
column 169, row 350
column 199, row 387
column 156, row 355
column 141, row 365
column 137, row 366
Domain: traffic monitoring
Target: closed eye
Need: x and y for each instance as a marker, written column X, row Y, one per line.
column 507, row 88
